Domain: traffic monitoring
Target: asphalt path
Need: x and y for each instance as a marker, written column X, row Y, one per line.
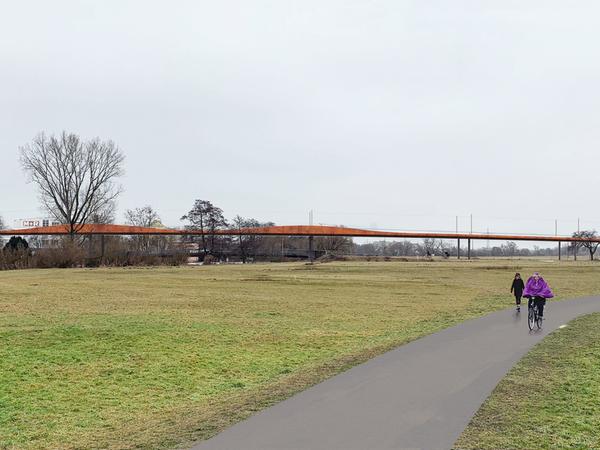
column 418, row 396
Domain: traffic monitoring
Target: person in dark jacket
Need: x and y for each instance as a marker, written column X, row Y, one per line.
column 517, row 289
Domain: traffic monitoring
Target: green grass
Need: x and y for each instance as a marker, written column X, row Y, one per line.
column 155, row 358
column 549, row 400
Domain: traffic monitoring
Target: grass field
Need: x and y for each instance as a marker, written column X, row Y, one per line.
column 155, row 358
column 549, row 400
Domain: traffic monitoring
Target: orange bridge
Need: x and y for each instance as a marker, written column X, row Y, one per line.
column 286, row 230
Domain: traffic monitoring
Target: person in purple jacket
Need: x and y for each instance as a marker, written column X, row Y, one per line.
column 537, row 291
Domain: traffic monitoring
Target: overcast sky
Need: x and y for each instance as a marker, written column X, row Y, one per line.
column 389, row 114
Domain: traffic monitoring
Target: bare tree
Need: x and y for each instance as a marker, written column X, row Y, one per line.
column 334, row 244
column 432, row 245
column 249, row 244
column 588, row 242
column 509, row 249
column 75, row 178
column 145, row 217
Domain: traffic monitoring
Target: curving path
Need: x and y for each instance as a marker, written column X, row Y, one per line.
column 418, row 396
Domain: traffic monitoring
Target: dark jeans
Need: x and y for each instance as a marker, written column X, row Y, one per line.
column 518, row 299
column 539, row 302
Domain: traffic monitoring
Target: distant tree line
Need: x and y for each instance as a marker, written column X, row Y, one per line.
column 77, row 183
column 208, row 218
column 439, row 247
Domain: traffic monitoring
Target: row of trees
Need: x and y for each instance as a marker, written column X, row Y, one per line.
column 77, row 182
column 206, row 218
column 439, row 247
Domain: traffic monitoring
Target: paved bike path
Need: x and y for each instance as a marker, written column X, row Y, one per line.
column 418, row 396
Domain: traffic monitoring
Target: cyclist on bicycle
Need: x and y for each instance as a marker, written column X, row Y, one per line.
column 537, row 291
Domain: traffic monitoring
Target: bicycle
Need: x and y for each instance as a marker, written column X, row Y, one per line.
column 533, row 317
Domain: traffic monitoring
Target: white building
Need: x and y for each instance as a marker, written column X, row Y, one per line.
column 35, row 222
column 32, row 222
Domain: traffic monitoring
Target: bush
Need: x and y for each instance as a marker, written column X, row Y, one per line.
column 68, row 254
column 16, row 243
column 10, row 259
column 209, row 259
column 77, row 253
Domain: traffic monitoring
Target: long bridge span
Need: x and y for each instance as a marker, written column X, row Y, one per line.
column 309, row 231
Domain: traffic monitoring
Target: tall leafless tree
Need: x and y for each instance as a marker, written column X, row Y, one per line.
column 509, row 249
column 588, row 242
column 145, row 217
column 75, row 178
column 249, row 244
column 432, row 245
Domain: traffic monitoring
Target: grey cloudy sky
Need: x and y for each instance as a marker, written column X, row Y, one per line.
column 390, row 114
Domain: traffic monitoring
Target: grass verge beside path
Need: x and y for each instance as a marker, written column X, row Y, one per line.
column 155, row 358
column 549, row 400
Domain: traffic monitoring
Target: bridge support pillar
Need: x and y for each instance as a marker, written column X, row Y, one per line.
column 458, row 249
column 559, row 250
column 468, row 248
column 101, row 248
column 311, row 251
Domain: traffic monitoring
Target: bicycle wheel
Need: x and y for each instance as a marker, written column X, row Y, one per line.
column 538, row 322
column 531, row 319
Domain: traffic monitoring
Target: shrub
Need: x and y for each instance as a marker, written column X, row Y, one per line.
column 209, row 259
column 10, row 259
column 86, row 253
column 68, row 254
column 16, row 243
